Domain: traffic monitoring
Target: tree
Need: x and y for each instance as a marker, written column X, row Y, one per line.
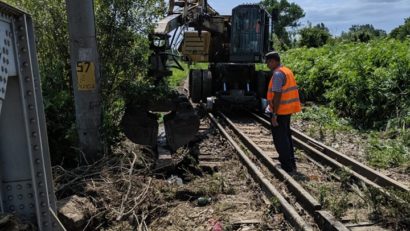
column 122, row 34
column 284, row 15
column 315, row 36
column 402, row 32
column 363, row 33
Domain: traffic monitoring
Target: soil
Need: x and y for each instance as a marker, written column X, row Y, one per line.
column 209, row 188
column 236, row 202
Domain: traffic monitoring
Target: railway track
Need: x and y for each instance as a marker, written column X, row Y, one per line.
column 300, row 196
column 329, row 156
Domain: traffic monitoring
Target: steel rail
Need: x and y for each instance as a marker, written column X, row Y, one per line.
column 324, row 219
column 288, row 210
column 329, row 156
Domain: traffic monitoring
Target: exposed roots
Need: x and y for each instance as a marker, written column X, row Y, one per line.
column 119, row 186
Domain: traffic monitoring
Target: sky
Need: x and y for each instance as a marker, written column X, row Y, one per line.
column 339, row 15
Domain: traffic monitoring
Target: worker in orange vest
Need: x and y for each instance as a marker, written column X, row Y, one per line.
column 283, row 101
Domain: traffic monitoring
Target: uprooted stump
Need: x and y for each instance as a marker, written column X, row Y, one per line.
column 75, row 212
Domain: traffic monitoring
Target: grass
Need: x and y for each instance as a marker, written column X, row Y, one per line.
column 178, row 76
column 337, row 203
column 325, row 121
column 345, row 177
column 388, row 153
column 275, row 205
column 392, row 209
column 390, row 148
column 384, row 149
column 325, row 117
column 395, row 212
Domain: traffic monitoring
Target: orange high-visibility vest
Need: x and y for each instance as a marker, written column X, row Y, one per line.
column 289, row 102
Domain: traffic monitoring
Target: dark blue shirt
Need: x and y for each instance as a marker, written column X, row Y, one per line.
column 279, row 80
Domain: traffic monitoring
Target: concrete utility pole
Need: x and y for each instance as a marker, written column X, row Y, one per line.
column 85, row 75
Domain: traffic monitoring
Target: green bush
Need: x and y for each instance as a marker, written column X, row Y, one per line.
column 122, row 35
column 50, row 24
column 368, row 82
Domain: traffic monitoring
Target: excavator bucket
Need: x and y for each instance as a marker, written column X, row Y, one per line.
column 140, row 126
column 181, row 126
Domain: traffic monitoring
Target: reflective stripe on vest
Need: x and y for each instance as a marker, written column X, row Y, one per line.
column 290, row 102
column 288, row 89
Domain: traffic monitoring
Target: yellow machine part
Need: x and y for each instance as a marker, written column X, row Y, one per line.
column 196, row 47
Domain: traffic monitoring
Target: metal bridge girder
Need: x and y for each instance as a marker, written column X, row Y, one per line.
column 26, row 186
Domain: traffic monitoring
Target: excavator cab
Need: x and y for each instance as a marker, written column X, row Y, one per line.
column 250, row 34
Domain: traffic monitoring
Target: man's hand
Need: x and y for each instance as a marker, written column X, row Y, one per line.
column 274, row 121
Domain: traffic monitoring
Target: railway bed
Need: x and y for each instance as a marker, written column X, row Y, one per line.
column 237, row 202
column 301, row 196
column 329, row 156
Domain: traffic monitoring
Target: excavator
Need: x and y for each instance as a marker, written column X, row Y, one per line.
column 231, row 45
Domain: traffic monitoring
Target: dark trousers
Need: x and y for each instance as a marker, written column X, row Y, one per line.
column 282, row 138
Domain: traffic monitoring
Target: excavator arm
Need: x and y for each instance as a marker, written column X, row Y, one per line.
column 181, row 123
column 196, row 44
column 185, row 12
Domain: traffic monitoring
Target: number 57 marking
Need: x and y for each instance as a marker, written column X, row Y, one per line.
column 83, row 65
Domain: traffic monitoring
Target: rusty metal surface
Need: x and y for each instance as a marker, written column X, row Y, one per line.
column 289, row 211
column 327, row 155
column 356, row 166
column 301, row 194
column 323, row 218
